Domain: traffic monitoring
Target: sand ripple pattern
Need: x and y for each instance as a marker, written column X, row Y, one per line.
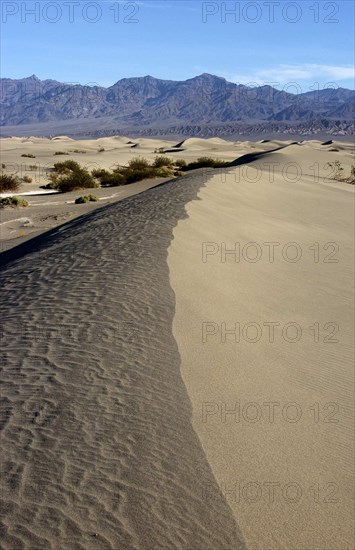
column 98, row 448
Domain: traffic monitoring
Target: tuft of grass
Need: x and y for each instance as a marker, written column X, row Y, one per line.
column 86, row 198
column 26, row 179
column 161, row 161
column 9, row 183
column 66, row 166
column 132, row 175
column 29, row 155
column 13, row 201
column 138, row 163
column 338, row 172
column 204, row 162
column 180, row 163
column 351, row 180
column 164, row 172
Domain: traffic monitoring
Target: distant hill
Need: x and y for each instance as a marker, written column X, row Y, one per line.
column 148, row 103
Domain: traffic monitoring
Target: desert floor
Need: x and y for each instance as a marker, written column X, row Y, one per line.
column 50, row 210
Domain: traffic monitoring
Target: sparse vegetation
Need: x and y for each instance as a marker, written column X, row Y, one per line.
column 26, row 179
column 100, row 173
column 33, row 167
column 138, row 163
column 132, row 175
column 180, row 163
column 204, row 162
column 352, row 175
column 13, row 201
column 29, row 155
column 86, row 198
column 9, row 183
column 66, row 166
column 162, row 161
column 338, row 172
column 60, row 153
column 69, row 176
column 162, row 167
column 78, row 151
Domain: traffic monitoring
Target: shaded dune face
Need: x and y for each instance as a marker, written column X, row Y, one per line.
column 98, row 447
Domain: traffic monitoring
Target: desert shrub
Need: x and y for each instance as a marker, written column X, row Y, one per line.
column 99, row 173
column 161, row 151
column 29, row 155
column 60, row 153
column 204, row 162
column 53, row 181
column 13, row 201
column 352, row 175
column 33, row 167
column 66, row 166
column 101, row 150
column 164, row 172
column 9, row 183
column 334, row 150
column 86, row 198
column 338, row 172
column 133, row 175
column 337, row 169
column 162, row 161
column 180, row 163
column 108, row 179
column 138, row 163
column 113, row 180
column 78, row 151
column 79, row 179
column 3, row 165
column 69, row 176
column 27, row 179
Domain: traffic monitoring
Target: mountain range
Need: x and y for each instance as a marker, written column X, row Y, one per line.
column 148, row 104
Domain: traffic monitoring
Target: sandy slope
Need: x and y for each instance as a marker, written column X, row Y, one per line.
column 98, row 451
column 287, row 474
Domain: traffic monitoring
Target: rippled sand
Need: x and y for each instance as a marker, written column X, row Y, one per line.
column 104, row 373
column 97, row 446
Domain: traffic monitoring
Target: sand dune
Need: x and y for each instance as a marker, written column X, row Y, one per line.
column 288, row 478
column 98, row 449
column 132, row 415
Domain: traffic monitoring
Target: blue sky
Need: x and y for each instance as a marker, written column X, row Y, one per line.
column 304, row 42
